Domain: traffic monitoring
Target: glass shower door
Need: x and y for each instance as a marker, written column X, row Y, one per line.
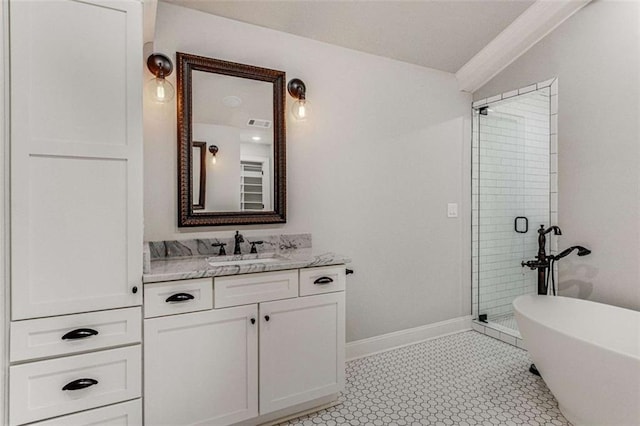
column 510, row 192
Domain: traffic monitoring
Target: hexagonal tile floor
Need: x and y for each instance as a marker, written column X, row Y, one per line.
column 461, row 379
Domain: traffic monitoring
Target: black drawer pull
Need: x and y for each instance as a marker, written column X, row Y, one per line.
column 179, row 297
column 323, row 280
column 79, row 384
column 80, row 333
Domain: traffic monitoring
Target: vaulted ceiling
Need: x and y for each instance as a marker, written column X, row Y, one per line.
column 440, row 34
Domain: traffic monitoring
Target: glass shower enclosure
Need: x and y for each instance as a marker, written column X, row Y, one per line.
column 510, row 200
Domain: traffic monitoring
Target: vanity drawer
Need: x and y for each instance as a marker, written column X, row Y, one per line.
column 36, row 389
column 124, row 414
column 177, row 297
column 254, row 288
column 324, row 279
column 68, row 334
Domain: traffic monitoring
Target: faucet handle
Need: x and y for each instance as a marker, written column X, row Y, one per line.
column 239, row 237
column 253, row 246
column 222, row 251
column 534, row 264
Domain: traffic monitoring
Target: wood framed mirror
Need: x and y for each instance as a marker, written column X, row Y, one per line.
column 240, row 110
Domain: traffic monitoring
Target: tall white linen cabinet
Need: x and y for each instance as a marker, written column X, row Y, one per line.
column 75, row 212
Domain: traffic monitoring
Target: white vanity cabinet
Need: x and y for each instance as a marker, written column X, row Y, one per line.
column 76, row 212
column 250, row 363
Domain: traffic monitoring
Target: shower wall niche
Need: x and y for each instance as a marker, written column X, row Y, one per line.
column 512, row 180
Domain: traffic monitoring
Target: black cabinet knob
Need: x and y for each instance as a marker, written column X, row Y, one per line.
column 134, row 290
column 267, row 317
column 253, row 320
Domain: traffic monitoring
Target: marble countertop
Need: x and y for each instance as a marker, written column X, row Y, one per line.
column 188, row 267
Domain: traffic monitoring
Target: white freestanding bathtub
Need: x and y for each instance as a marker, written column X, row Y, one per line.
column 588, row 355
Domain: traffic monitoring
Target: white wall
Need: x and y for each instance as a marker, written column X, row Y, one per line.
column 256, row 150
column 369, row 175
column 596, row 56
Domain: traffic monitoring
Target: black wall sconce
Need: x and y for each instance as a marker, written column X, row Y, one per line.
column 213, row 149
column 301, row 107
column 158, row 87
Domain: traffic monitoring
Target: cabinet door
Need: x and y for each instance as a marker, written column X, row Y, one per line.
column 302, row 343
column 201, row 367
column 76, row 156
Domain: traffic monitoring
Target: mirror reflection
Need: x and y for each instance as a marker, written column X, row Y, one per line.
column 235, row 115
column 199, row 156
column 231, row 143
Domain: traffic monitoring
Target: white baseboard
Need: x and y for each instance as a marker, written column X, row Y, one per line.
column 410, row 336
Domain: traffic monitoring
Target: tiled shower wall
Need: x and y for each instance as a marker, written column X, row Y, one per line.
column 511, row 164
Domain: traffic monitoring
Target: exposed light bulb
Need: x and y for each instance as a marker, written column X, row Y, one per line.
column 213, row 149
column 160, row 90
column 301, row 109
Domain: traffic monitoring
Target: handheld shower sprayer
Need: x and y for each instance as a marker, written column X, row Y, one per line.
column 582, row 251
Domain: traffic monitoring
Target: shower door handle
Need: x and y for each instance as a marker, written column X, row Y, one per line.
column 517, row 227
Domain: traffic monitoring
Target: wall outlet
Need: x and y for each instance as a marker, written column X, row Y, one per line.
column 452, row 210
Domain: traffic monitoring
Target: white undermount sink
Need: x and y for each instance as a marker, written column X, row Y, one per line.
column 225, row 261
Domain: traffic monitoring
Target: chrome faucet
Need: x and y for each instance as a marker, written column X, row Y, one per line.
column 239, row 239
